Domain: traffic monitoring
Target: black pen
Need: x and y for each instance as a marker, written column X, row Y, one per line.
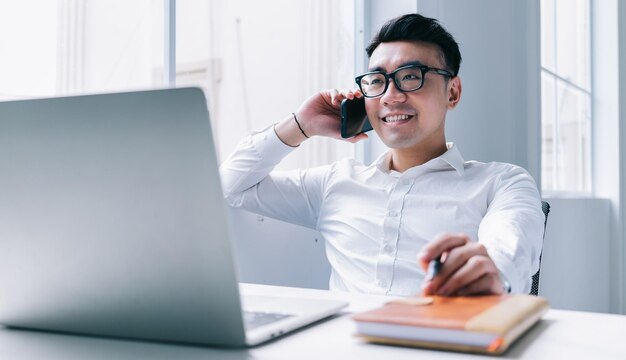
column 434, row 267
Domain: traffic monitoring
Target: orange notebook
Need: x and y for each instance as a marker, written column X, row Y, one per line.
column 487, row 324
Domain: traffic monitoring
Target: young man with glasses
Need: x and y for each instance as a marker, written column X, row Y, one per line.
column 419, row 203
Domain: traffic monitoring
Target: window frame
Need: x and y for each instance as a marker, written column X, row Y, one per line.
column 586, row 158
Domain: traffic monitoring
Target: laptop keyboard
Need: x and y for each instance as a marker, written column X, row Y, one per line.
column 253, row 319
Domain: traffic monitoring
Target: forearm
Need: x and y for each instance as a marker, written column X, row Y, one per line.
column 512, row 230
column 514, row 243
column 252, row 161
column 249, row 181
column 248, row 168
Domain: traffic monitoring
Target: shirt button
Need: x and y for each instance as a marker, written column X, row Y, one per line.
column 388, row 249
column 382, row 283
column 392, row 213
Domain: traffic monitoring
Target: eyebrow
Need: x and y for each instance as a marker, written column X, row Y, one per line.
column 380, row 68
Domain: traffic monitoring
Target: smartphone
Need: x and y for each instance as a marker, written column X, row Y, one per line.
column 354, row 118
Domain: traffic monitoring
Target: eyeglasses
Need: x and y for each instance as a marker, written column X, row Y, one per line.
column 407, row 78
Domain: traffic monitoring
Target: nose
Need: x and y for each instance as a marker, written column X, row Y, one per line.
column 392, row 94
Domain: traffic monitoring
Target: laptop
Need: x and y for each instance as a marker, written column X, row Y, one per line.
column 113, row 223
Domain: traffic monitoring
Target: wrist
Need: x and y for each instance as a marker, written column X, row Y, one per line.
column 295, row 118
column 289, row 131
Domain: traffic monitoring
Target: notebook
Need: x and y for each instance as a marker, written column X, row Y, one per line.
column 113, row 223
column 484, row 324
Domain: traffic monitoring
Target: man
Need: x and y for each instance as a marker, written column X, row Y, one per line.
column 420, row 201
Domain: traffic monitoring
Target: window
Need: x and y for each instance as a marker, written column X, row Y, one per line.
column 28, row 62
column 566, row 95
column 74, row 46
column 255, row 64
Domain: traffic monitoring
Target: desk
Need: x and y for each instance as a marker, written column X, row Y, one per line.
column 561, row 335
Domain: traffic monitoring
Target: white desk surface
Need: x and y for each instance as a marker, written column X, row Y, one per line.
column 560, row 335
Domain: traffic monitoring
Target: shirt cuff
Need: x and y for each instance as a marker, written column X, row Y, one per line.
column 507, row 271
column 269, row 145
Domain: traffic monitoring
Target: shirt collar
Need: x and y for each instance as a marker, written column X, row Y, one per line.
column 454, row 158
column 451, row 158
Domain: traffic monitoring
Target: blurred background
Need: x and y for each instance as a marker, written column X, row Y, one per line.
column 544, row 87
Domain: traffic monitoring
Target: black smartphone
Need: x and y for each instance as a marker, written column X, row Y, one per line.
column 354, row 118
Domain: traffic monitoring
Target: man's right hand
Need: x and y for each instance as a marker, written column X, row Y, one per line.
column 319, row 115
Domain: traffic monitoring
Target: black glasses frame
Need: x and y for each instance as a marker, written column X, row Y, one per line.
column 392, row 75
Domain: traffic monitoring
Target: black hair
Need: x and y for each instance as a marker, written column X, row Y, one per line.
column 415, row 27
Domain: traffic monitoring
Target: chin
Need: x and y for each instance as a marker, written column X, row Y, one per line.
column 395, row 142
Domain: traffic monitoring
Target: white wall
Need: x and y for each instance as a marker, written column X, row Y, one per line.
column 575, row 269
column 271, row 252
column 620, row 241
column 499, row 43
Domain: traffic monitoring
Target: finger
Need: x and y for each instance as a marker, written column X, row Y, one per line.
column 442, row 243
column 487, row 284
column 357, row 138
column 348, row 94
column 338, row 96
column 456, row 259
column 334, row 93
column 449, row 268
column 473, row 269
column 458, row 256
column 427, row 289
column 352, row 93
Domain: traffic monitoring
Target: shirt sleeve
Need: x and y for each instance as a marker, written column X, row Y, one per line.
column 249, row 182
column 512, row 229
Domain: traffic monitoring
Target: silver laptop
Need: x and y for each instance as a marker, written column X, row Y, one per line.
column 112, row 222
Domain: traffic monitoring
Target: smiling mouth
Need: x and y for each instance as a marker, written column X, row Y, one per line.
column 396, row 118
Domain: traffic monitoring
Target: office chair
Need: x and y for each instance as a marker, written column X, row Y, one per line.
column 534, row 289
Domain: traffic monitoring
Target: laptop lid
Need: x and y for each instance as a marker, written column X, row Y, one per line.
column 112, row 219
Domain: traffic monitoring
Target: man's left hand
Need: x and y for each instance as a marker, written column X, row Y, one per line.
column 466, row 268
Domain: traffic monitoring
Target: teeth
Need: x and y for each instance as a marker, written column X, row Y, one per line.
column 395, row 118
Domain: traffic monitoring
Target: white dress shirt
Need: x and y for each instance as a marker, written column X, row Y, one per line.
column 375, row 221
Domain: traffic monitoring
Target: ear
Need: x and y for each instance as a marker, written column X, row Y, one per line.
column 454, row 92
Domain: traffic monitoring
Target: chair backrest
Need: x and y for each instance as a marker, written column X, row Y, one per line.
column 534, row 289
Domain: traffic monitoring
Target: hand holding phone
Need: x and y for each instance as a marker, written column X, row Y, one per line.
column 354, row 118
